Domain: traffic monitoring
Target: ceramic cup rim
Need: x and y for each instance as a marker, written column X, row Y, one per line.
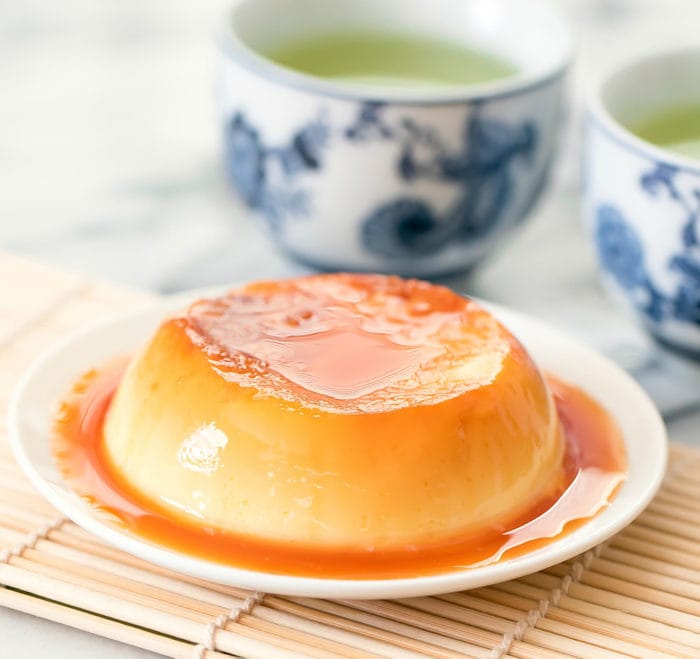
column 235, row 49
column 602, row 118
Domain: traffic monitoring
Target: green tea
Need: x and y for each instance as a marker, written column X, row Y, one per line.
column 676, row 128
column 399, row 60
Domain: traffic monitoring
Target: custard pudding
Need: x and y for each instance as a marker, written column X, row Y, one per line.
column 339, row 411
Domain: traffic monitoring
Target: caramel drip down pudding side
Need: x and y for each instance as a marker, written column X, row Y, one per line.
column 363, row 423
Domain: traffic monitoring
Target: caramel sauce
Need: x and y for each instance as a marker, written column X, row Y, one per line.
column 594, row 465
column 301, row 339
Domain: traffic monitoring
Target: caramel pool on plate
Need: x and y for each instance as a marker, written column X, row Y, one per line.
column 337, row 425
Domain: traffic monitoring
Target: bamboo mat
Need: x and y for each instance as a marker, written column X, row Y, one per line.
column 638, row 595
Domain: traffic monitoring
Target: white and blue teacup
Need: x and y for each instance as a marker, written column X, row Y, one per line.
column 642, row 202
column 413, row 181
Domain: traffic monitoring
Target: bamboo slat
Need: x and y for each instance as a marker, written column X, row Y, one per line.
column 636, row 596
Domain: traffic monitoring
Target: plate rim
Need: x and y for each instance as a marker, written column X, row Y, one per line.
column 601, row 527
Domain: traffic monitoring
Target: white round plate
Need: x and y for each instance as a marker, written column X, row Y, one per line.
column 52, row 375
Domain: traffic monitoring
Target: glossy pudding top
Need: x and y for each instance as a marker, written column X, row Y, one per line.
column 350, row 343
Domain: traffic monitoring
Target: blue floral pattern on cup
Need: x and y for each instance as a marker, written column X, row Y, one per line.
column 622, row 252
column 405, row 226
column 408, row 226
column 620, row 249
column 251, row 165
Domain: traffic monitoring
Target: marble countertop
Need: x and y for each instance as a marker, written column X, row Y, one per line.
column 110, row 166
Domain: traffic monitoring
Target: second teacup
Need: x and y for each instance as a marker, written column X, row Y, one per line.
column 358, row 159
column 642, row 200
